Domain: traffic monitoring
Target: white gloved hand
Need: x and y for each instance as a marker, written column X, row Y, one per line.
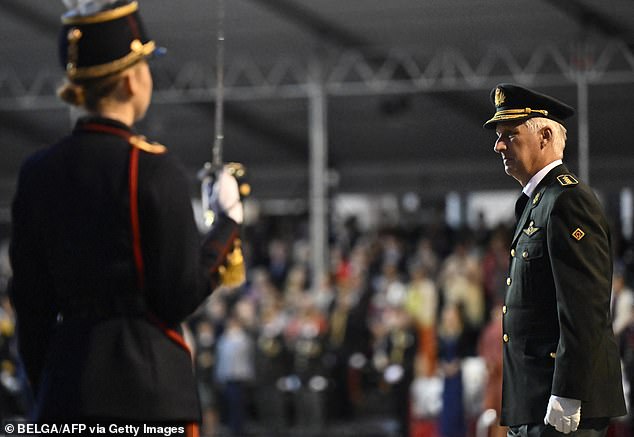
column 227, row 196
column 563, row 413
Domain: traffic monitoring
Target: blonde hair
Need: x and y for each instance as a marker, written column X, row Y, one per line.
column 88, row 93
column 559, row 132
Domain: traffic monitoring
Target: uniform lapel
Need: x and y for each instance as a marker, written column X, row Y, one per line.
column 521, row 222
column 534, row 200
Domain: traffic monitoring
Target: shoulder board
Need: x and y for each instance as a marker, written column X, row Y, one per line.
column 141, row 143
column 566, row 180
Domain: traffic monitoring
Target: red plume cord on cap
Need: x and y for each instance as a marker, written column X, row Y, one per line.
column 134, row 26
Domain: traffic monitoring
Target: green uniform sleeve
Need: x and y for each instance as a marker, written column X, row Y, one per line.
column 579, row 246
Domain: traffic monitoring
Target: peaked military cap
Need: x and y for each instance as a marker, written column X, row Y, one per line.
column 97, row 43
column 516, row 103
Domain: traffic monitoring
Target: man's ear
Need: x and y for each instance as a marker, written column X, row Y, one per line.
column 547, row 137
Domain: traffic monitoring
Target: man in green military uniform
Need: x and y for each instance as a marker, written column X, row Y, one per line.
column 561, row 362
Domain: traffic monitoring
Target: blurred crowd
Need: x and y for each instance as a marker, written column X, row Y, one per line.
column 405, row 324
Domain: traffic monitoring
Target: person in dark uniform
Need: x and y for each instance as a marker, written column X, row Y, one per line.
column 394, row 356
column 273, row 364
column 561, row 370
column 349, row 340
column 106, row 255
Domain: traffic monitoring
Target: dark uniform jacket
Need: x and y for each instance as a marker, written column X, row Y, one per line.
column 95, row 343
column 557, row 330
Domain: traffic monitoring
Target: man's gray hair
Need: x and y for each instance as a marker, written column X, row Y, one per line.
column 559, row 132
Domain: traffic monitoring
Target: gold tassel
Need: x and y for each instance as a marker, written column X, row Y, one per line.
column 233, row 273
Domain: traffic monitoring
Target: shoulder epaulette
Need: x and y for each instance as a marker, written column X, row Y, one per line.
column 141, row 143
column 566, row 180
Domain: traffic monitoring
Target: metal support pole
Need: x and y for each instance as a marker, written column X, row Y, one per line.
column 582, row 117
column 318, row 142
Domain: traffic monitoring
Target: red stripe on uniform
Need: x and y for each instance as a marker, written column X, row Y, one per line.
column 133, row 174
column 192, row 430
column 134, row 215
column 171, row 333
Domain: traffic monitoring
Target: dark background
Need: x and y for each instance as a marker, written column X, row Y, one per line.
column 407, row 85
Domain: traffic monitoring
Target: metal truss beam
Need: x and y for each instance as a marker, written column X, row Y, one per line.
column 324, row 29
column 350, row 73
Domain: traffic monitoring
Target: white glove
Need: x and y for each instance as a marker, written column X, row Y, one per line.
column 227, row 196
column 563, row 413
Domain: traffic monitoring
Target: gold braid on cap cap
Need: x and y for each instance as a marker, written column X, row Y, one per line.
column 511, row 114
column 138, row 51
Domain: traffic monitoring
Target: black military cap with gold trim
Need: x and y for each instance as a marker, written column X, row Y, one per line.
column 103, row 42
column 516, row 103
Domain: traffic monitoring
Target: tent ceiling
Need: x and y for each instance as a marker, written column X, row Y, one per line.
column 407, row 84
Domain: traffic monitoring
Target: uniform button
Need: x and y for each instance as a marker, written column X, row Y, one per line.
column 512, row 252
column 525, row 254
column 508, row 281
column 504, row 309
column 553, row 355
column 505, row 337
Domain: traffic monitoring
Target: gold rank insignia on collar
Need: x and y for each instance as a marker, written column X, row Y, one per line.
column 578, row 234
column 567, row 179
column 531, row 229
column 536, row 198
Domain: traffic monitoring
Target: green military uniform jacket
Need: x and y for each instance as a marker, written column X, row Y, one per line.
column 558, row 337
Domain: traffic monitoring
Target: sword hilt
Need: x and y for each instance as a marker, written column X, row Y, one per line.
column 208, row 176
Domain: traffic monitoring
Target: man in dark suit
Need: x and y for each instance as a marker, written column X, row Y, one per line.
column 561, row 362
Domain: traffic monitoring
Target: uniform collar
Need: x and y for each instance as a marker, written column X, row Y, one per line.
column 532, row 184
column 84, row 122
